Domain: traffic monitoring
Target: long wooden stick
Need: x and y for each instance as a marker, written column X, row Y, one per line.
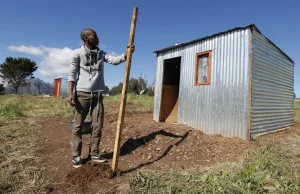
column 115, row 160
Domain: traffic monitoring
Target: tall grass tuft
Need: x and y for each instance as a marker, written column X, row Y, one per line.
column 12, row 106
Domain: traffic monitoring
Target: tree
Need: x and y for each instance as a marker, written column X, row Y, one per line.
column 116, row 90
column 149, row 91
column 15, row 71
column 2, row 89
column 106, row 89
column 135, row 86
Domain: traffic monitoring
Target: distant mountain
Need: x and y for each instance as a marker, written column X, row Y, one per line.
column 34, row 86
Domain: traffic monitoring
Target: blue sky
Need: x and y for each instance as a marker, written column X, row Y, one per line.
column 49, row 30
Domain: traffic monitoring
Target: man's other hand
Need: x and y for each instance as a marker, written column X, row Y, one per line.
column 71, row 100
column 132, row 48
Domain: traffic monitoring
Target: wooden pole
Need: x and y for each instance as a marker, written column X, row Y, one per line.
column 124, row 93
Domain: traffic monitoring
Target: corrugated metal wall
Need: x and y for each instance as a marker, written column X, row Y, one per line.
column 221, row 107
column 272, row 88
column 60, row 88
column 64, row 87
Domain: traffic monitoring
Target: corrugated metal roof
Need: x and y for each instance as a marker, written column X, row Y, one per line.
column 251, row 26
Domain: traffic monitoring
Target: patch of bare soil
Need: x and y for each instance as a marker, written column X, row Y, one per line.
column 145, row 144
column 89, row 173
column 48, row 189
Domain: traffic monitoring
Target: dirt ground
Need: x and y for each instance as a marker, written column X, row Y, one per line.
column 146, row 144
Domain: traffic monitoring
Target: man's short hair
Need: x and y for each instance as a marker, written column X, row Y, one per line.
column 85, row 32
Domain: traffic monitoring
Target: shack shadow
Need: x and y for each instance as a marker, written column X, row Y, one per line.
column 132, row 144
column 183, row 137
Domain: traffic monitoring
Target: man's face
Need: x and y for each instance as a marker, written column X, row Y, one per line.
column 93, row 38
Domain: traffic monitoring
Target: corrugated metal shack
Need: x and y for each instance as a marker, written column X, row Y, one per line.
column 235, row 83
column 60, row 88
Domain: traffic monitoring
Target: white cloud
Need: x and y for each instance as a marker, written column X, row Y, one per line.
column 113, row 54
column 27, row 49
column 55, row 62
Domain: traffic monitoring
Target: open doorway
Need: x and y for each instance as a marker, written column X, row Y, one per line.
column 170, row 90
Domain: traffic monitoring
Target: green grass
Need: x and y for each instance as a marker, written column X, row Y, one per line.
column 272, row 167
column 13, row 106
column 141, row 100
column 52, row 107
column 134, row 104
column 19, row 170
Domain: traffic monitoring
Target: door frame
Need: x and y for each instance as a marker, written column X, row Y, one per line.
column 162, row 85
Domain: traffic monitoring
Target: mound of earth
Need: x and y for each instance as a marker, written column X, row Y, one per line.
column 145, row 145
column 89, row 173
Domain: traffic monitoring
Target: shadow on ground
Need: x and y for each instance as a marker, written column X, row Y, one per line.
column 131, row 144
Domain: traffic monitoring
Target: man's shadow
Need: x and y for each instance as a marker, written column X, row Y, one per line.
column 132, row 144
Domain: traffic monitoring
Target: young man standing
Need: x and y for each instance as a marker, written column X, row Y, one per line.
column 86, row 76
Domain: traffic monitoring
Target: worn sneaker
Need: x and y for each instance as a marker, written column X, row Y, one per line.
column 98, row 158
column 77, row 162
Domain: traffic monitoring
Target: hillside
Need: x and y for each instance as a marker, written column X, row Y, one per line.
column 34, row 86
